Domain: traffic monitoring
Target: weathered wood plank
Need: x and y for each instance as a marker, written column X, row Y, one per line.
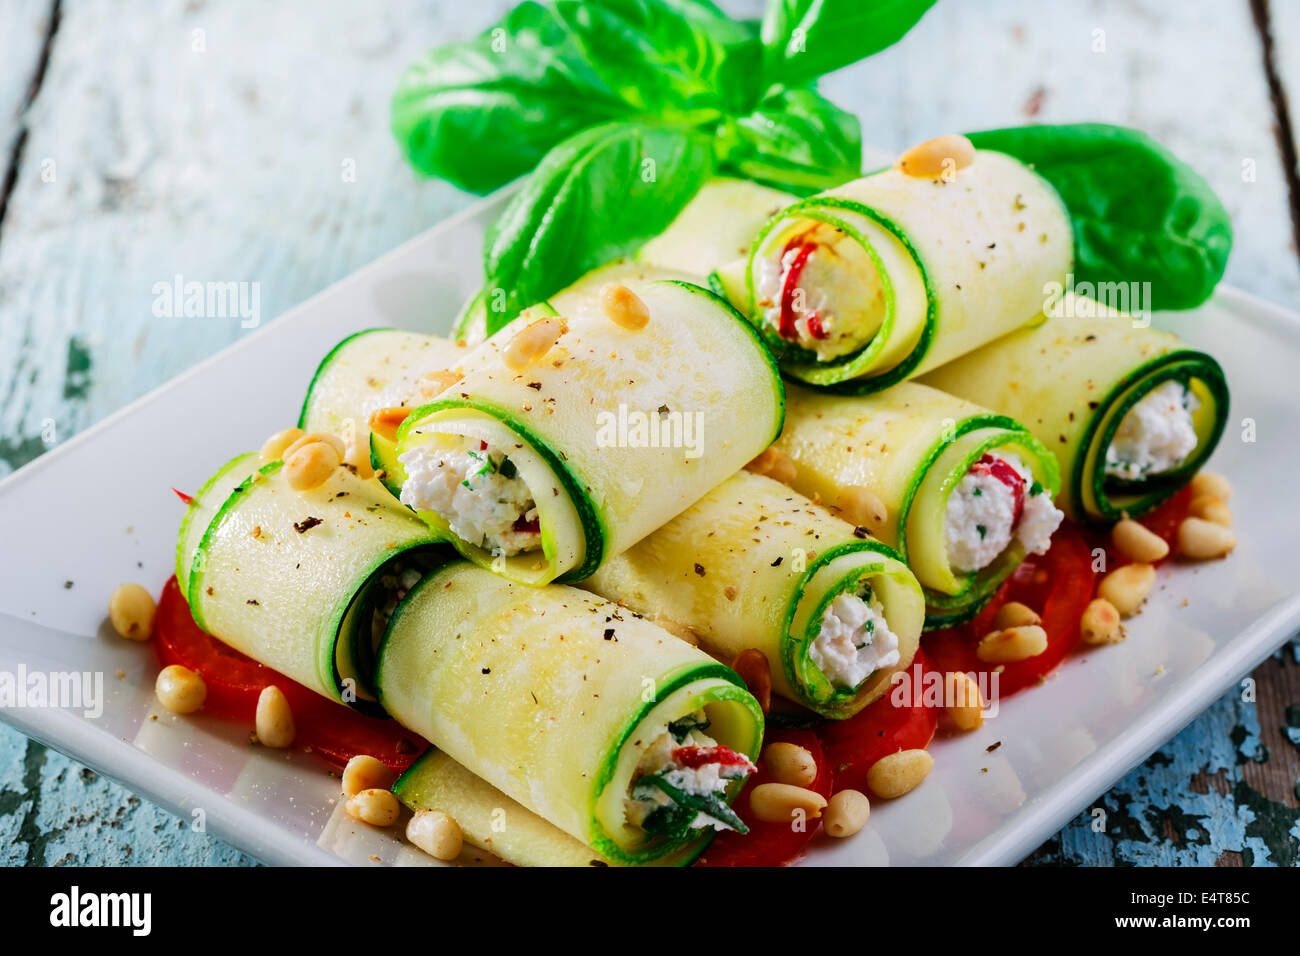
column 23, row 25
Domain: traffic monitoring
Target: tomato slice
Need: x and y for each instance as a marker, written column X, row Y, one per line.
column 1058, row 585
column 769, row 844
column 882, row 728
column 235, row 681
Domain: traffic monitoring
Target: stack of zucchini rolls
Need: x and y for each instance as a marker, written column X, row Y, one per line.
column 541, row 550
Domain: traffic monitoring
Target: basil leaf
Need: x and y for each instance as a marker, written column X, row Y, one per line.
column 796, row 140
column 483, row 112
column 804, row 39
column 1139, row 213
column 709, row 804
column 595, row 197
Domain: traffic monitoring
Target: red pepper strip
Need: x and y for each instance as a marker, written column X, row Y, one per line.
column 235, row 682
column 525, row 526
column 770, row 844
column 815, row 327
column 899, row 720
column 1001, row 469
column 695, row 757
column 183, row 496
column 787, row 328
column 1058, row 585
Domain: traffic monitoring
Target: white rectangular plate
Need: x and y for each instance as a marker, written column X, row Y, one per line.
column 98, row 511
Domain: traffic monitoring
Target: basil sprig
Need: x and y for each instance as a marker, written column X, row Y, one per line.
column 1139, row 213
column 674, row 820
column 625, row 108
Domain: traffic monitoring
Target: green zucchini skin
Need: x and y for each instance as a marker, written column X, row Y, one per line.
column 555, row 716
column 1072, row 380
column 544, row 408
column 274, row 585
column 203, row 508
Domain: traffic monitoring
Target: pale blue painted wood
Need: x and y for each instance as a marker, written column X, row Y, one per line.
column 220, row 154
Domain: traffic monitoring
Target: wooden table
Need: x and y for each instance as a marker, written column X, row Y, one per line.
column 245, row 139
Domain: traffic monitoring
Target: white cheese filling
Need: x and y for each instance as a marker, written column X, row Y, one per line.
column 980, row 518
column 476, row 491
column 835, row 290
column 854, row 641
column 1156, row 435
column 711, row 778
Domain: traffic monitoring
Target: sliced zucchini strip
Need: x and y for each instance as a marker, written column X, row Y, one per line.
column 614, row 431
column 1071, row 378
column 552, row 696
column 931, row 268
column 755, row 564
column 289, row 577
column 910, row 445
column 203, row 508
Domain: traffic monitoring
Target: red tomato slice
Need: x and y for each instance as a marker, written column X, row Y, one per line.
column 769, row 844
column 1058, row 585
column 882, row 728
column 235, row 681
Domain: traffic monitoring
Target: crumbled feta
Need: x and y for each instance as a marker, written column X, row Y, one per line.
column 1156, row 435
column 835, row 287
column 980, row 518
column 854, row 641
column 482, row 500
column 662, row 756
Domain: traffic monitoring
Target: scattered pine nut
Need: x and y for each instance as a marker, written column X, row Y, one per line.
column 755, row 671
column 332, row 440
column 311, row 465
column 779, row 802
column 775, row 464
column 379, row 808
column 846, row 813
column 365, row 772
column 1211, row 483
column 1012, row 644
column 432, row 384
column 1100, row 623
column 899, row 773
column 532, row 342
column 623, row 307
column 1211, row 508
column 273, row 448
column 384, row 422
column 436, row 833
column 962, row 700
column 1015, row 614
column 1127, row 587
column 180, row 689
column 938, row 157
column 132, row 610
column 274, row 721
column 1138, row 542
column 1202, row 540
column 790, row 763
column 861, row 507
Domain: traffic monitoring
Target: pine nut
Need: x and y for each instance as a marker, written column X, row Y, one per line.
column 384, row 422
column 1127, row 587
column 332, row 440
column 623, row 307
column 1211, row 508
column 937, row 157
column 1138, row 542
column 899, row 773
column 775, row 464
column 861, row 507
column 274, row 723
column 1012, row 644
column 1201, row 540
column 180, row 689
column 790, row 763
column 377, row 807
column 962, row 700
column 1015, row 614
column 365, row 772
column 311, row 465
column 532, row 342
column 432, row 384
column 131, row 610
column 846, row 813
column 1100, row 623
column 779, row 802
column 273, row 448
column 436, row 834
column 1211, row 483
column 754, row 670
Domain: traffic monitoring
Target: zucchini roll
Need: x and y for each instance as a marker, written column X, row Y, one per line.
column 890, row 275
column 373, row 370
column 1131, row 412
column 570, row 438
column 962, row 493
column 302, row 581
column 754, row 564
column 590, row 716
